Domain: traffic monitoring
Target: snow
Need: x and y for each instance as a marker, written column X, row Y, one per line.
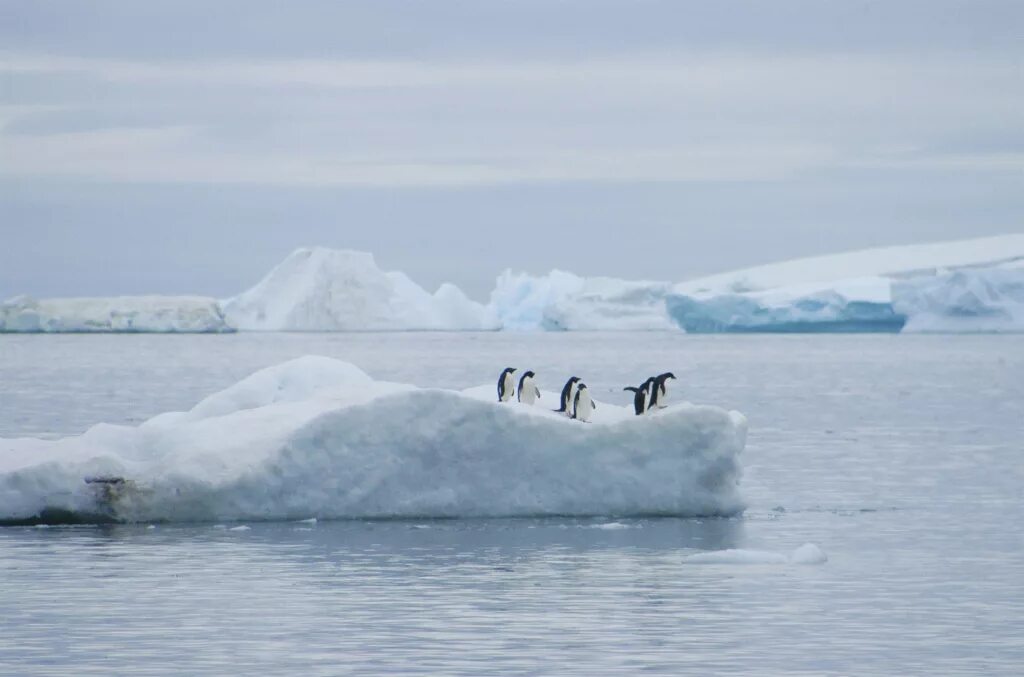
column 964, row 286
column 319, row 437
column 319, row 289
column 808, row 553
column 191, row 314
column 561, row 301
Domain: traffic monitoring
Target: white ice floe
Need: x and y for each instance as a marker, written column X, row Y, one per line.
column 319, row 289
column 808, row 553
column 963, row 286
column 316, row 436
column 161, row 314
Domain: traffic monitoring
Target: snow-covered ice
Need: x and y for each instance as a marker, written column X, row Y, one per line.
column 962, row 286
column 191, row 314
column 320, row 289
column 317, row 436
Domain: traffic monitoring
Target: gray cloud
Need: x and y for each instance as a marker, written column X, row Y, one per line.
column 646, row 139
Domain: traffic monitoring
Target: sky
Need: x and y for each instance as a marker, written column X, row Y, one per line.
column 188, row 146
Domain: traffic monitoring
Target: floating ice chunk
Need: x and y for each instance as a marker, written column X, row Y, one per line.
column 808, row 553
column 316, row 436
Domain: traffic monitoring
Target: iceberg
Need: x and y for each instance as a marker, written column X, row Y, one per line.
column 963, row 286
column 320, row 289
column 319, row 438
column 186, row 314
column 561, row 301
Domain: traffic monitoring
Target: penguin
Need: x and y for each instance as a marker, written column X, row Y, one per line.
column 568, row 393
column 582, row 406
column 639, row 399
column 528, row 390
column 651, row 395
column 507, row 384
column 660, row 388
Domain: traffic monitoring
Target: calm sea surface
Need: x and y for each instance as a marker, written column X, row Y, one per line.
column 902, row 457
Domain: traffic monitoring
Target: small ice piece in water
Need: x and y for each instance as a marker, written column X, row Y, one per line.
column 311, row 520
column 808, row 553
column 239, row 528
column 611, row 526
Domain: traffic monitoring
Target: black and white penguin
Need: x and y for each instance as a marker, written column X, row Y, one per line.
column 651, row 395
column 661, row 389
column 582, row 405
column 639, row 399
column 528, row 390
column 568, row 394
column 507, row 384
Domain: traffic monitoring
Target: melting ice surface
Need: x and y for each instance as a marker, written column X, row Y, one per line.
column 317, row 437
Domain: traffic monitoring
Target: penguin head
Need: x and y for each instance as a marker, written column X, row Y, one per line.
column 666, row 375
column 529, row 373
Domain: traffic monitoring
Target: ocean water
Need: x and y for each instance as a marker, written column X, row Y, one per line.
column 901, row 457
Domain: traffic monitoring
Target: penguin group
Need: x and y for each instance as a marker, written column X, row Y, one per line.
column 650, row 394
column 575, row 401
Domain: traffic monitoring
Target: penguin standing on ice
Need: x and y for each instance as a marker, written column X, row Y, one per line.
column 583, row 406
column 528, row 390
column 507, row 384
column 660, row 389
column 639, row 399
column 568, row 393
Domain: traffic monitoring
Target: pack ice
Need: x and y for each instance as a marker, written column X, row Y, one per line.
column 963, row 286
column 190, row 314
column 317, row 437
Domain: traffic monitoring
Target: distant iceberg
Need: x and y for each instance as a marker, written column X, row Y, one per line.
column 561, row 301
column 964, row 286
column 124, row 314
column 318, row 438
column 319, row 289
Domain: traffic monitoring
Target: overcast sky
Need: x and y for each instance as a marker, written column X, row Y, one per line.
column 187, row 146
